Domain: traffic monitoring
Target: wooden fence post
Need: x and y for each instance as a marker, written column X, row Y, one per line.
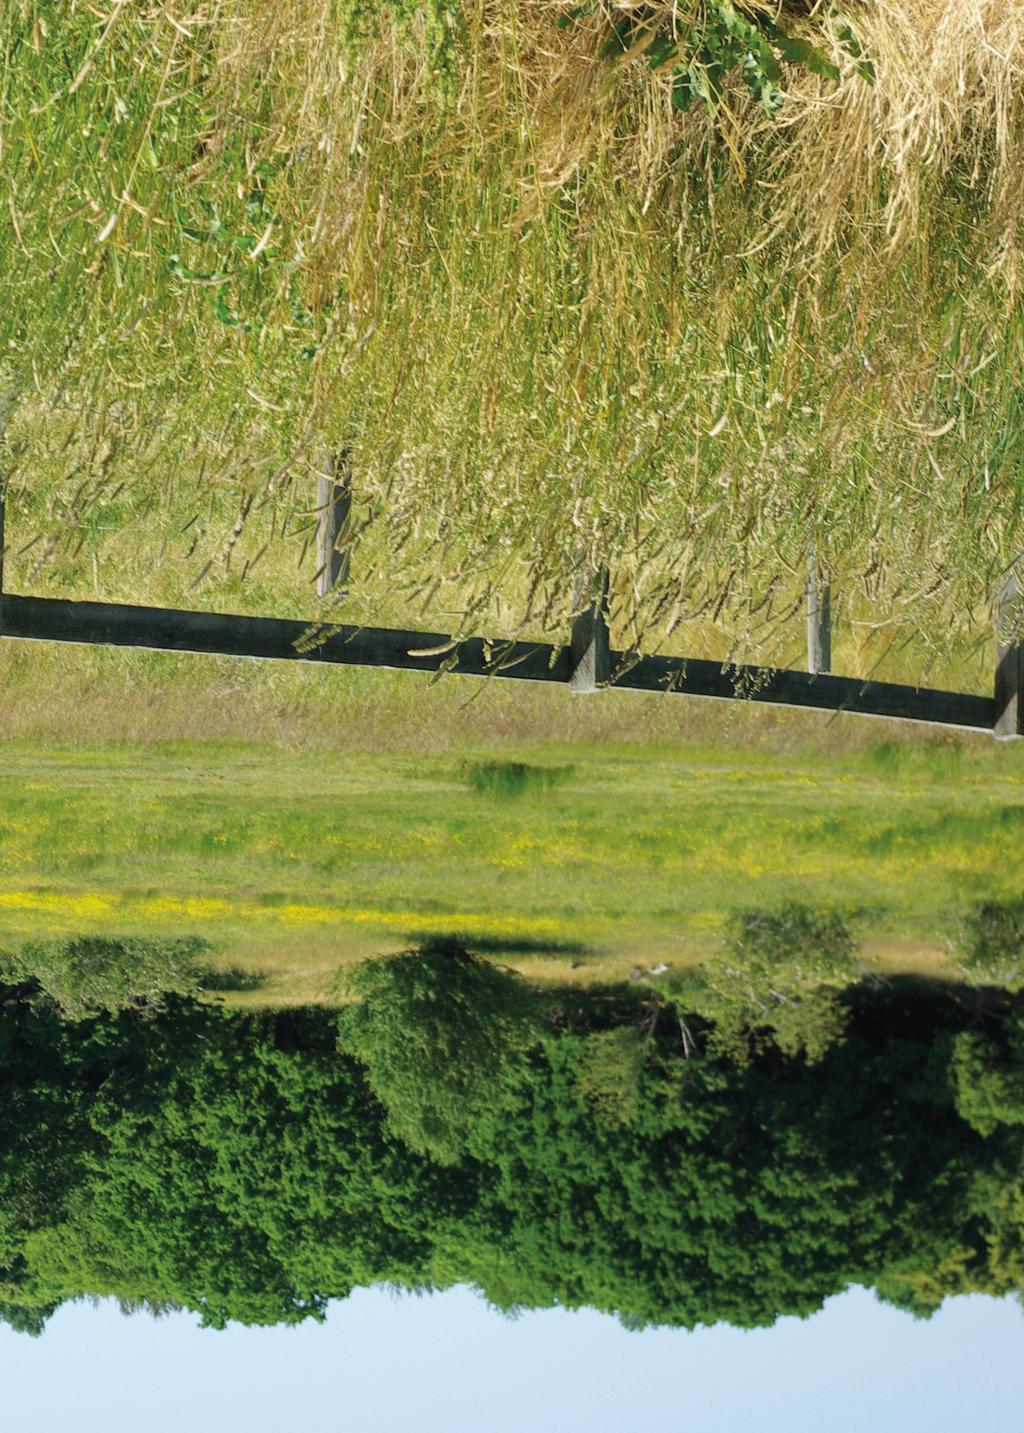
column 819, row 621
column 334, row 510
column 8, row 403
column 1009, row 720
column 3, row 495
column 588, row 645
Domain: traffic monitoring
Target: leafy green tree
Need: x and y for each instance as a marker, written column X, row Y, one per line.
column 436, row 1030
column 988, row 1071
column 778, row 978
column 91, row 974
column 737, row 1193
column 610, row 1071
column 236, row 1164
column 24, row 1319
column 233, row 1164
column 989, row 944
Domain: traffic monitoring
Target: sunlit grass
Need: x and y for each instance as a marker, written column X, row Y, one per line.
column 291, row 867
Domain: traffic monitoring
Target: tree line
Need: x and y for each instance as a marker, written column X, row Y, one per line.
column 601, row 1148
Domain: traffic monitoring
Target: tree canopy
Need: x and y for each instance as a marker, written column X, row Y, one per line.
column 240, row 1165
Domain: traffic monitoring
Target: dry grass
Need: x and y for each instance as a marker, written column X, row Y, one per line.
column 554, row 319
column 945, row 105
column 75, row 696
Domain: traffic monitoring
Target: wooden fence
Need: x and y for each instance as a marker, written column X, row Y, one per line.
column 586, row 664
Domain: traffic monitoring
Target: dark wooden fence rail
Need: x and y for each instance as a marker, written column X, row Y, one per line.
column 586, row 664
column 166, row 629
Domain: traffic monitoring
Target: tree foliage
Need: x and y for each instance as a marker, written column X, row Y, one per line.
column 436, row 1030
column 990, row 943
column 779, row 977
column 238, row 1165
column 609, row 1072
column 988, row 1072
column 91, row 974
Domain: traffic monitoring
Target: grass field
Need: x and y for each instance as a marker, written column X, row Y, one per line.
column 551, row 316
column 292, row 864
column 556, row 321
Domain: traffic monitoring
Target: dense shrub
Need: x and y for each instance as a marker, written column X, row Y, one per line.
column 703, row 44
column 513, row 778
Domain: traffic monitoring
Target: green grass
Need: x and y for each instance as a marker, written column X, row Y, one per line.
column 508, row 780
column 555, row 323
column 292, row 866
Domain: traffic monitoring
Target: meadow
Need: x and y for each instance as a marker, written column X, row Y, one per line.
column 554, row 312
column 567, row 285
column 574, row 862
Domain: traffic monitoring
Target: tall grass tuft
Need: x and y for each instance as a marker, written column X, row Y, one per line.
column 509, row 779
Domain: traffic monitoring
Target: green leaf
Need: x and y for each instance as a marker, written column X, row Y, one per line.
column 193, row 276
column 761, row 58
column 855, row 50
column 225, row 315
column 849, row 40
column 683, row 92
column 661, row 51
column 734, row 23
column 801, row 52
column 620, row 40
column 576, row 13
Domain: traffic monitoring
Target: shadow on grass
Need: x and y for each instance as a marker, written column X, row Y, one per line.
column 503, row 944
column 899, row 1007
column 222, row 981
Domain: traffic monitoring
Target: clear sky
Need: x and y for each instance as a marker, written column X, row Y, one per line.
column 448, row 1364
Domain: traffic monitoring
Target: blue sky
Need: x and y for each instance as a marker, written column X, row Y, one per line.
column 448, row 1363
